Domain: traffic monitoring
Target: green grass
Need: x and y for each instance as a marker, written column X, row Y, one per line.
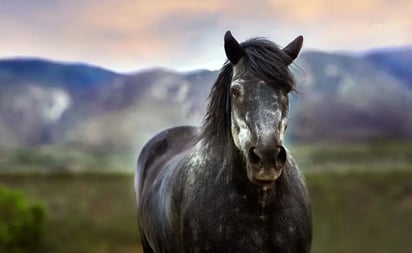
column 66, row 160
column 361, row 196
column 85, row 213
column 352, row 211
column 374, row 156
column 361, row 212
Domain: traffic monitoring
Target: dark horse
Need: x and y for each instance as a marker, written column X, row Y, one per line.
column 230, row 185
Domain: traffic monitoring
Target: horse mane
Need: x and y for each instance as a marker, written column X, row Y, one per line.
column 263, row 59
column 216, row 123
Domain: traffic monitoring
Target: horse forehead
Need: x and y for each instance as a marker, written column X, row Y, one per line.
column 260, row 91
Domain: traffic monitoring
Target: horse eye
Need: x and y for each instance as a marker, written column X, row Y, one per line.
column 235, row 91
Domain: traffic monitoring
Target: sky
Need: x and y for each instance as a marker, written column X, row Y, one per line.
column 131, row 35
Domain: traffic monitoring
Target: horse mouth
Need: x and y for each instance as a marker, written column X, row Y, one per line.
column 264, row 177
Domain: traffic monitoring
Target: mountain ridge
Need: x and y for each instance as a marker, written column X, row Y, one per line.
column 344, row 98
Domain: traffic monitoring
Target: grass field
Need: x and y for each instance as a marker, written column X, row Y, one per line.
column 352, row 212
column 361, row 198
column 85, row 213
column 362, row 212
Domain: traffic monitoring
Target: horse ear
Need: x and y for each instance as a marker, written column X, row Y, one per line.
column 233, row 49
column 293, row 48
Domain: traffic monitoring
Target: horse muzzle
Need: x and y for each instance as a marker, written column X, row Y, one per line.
column 266, row 164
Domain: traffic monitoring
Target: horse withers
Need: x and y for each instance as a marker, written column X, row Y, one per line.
column 229, row 185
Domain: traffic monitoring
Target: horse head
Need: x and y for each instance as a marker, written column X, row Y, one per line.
column 258, row 103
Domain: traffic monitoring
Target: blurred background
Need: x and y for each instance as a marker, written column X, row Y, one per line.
column 84, row 84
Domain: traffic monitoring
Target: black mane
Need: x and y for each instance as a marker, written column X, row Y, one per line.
column 263, row 59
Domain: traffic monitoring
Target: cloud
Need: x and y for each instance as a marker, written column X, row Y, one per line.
column 188, row 34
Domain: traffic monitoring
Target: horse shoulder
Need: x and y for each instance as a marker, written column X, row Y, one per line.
column 161, row 148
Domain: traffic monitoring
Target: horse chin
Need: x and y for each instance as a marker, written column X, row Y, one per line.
column 264, row 177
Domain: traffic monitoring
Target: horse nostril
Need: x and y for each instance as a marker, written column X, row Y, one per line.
column 278, row 151
column 253, row 157
column 280, row 157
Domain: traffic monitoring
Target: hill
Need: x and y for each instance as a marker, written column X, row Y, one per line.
column 341, row 98
column 349, row 98
column 395, row 61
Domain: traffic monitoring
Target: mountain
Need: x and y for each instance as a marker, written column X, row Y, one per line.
column 341, row 98
column 395, row 61
column 49, row 103
column 144, row 103
column 349, row 98
column 48, row 73
column 39, row 97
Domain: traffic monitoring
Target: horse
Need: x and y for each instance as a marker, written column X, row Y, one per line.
column 229, row 185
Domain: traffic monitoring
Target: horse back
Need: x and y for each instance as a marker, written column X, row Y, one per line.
column 159, row 150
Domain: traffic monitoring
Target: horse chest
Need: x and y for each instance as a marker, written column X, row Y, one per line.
column 227, row 225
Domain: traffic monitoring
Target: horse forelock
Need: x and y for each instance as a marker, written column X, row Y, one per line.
column 265, row 60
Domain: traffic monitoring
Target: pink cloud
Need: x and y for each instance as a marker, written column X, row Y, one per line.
column 188, row 34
